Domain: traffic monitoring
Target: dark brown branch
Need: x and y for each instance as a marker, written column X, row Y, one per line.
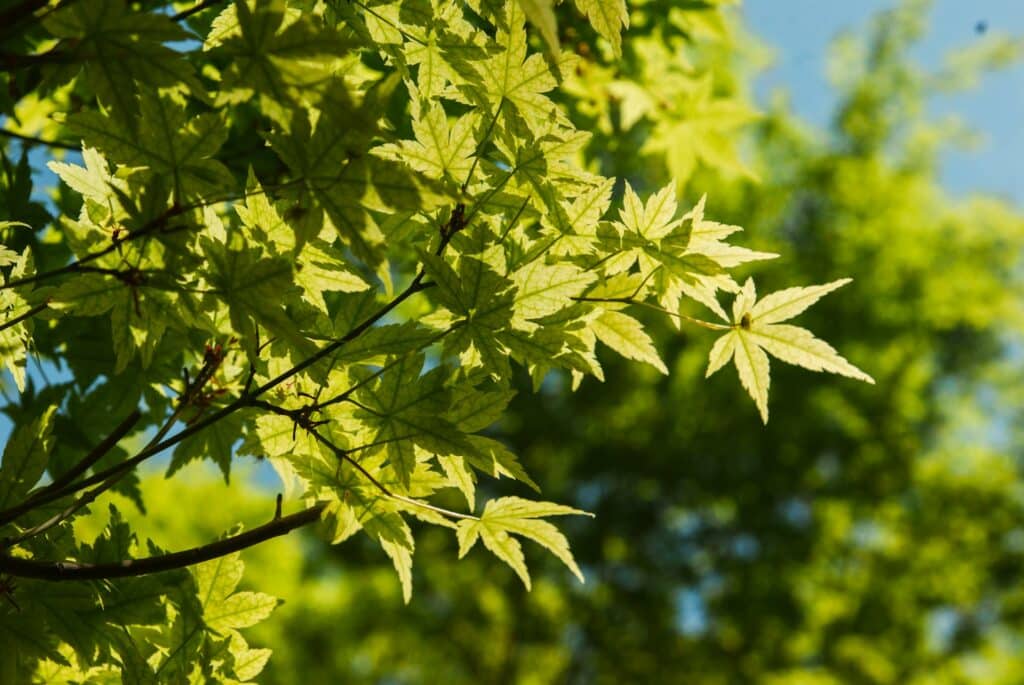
column 11, row 18
column 70, row 570
column 213, row 358
column 39, row 141
column 240, row 403
column 185, row 14
column 10, row 61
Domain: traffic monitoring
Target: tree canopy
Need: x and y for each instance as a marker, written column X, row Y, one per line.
column 376, row 245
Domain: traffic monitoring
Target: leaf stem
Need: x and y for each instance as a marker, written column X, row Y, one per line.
column 625, row 300
column 405, row 34
column 343, row 454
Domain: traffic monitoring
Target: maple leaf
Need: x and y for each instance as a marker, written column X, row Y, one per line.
column 507, row 516
column 517, row 81
column 441, row 150
column 120, row 49
column 756, row 331
column 276, row 55
column 608, row 17
column 168, row 143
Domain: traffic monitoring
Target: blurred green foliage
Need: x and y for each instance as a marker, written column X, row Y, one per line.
column 868, row 534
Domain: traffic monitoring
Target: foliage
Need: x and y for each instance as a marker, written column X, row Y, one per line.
column 328, row 235
column 869, row 534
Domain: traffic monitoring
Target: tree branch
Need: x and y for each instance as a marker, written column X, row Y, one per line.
column 39, row 141
column 71, row 570
column 11, row 18
column 79, row 265
column 96, row 453
column 239, row 403
column 61, row 484
column 10, row 62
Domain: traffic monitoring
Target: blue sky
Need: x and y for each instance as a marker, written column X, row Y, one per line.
column 800, row 31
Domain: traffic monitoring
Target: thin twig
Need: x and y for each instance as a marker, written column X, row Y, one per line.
column 39, row 141
column 158, row 223
column 11, row 62
column 27, row 314
column 185, row 14
column 211, row 363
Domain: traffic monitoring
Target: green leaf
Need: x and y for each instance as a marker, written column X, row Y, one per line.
column 122, row 49
column 608, row 18
column 652, row 220
column 25, row 458
column 168, row 143
column 280, row 62
column 320, row 268
column 541, row 13
column 520, row 517
column 88, row 294
column 481, row 302
column 215, row 442
column 223, row 608
column 255, row 290
column 403, row 409
column 15, row 340
column 785, row 304
column 93, row 181
column 395, row 538
column 383, row 341
column 798, row 346
column 512, row 79
column 459, row 474
column 441, row 150
column 493, row 458
column 543, row 289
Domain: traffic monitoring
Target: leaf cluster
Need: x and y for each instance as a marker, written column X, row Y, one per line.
column 325, row 235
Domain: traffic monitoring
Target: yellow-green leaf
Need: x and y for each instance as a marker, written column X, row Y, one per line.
column 626, row 335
